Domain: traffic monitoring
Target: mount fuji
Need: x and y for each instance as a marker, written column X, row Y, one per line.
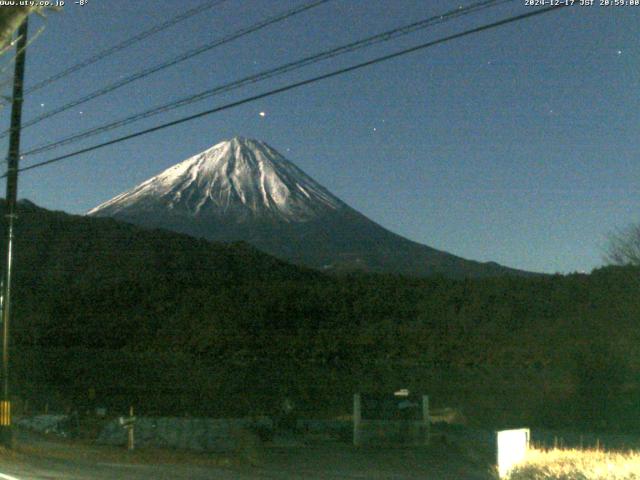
column 244, row 190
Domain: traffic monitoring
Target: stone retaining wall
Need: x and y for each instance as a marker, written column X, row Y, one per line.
column 199, row 434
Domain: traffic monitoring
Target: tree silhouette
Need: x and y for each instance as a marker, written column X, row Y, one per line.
column 624, row 246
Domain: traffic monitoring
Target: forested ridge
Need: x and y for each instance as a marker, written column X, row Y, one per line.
column 181, row 325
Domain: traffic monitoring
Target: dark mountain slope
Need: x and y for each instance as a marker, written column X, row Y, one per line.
column 244, row 190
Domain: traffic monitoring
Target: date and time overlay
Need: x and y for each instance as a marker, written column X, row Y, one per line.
column 582, row 3
column 527, row 3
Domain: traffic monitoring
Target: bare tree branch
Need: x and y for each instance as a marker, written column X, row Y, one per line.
column 10, row 20
column 624, row 246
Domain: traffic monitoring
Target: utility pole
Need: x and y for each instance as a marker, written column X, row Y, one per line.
column 13, row 159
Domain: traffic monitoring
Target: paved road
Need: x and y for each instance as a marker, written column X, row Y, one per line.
column 279, row 464
column 41, row 458
column 38, row 469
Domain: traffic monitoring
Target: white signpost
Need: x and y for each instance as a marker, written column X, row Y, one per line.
column 128, row 424
column 512, row 448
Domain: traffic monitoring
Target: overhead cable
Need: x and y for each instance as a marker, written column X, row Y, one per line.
column 180, row 58
column 270, row 73
column 292, row 86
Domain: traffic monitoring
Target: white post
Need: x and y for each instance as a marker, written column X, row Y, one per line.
column 357, row 418
column 425, row 419
column 131, row 444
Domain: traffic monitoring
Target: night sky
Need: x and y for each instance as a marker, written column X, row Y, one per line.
column 519, row 145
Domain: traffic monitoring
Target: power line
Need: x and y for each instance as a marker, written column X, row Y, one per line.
column 125, row 44
column 295, row 65
column 292, row 86
column 180, row 58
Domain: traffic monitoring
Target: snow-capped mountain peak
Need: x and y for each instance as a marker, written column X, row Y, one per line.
column 243, row 190
column 241, row 177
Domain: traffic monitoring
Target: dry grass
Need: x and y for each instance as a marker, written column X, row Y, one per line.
column 559, row 464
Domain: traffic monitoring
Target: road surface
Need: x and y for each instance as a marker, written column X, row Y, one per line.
column 45, row 459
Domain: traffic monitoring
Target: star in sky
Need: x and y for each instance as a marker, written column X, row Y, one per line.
column 428, row 143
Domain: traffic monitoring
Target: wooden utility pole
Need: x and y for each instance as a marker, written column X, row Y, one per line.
column 13, row 160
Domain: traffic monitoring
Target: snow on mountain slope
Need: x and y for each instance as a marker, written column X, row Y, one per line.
column 240, row 177
column 243, row 190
